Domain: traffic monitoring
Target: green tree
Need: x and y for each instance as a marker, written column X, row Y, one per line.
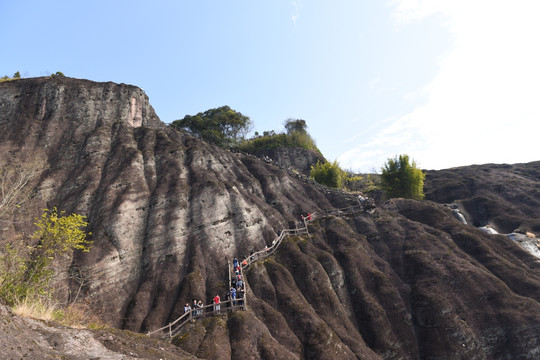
column 401, row 178
column 27, row 273
column 17, row 75
column 329, row 174
column 222, row 126
column 298, row 125
column 58, row 234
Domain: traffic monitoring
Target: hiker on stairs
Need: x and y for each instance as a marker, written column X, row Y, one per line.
column 233, row 295
column 217, row 305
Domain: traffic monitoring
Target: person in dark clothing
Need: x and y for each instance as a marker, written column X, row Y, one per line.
column 241, row 293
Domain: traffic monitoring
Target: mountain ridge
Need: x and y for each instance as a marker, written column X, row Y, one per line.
column 166, row 209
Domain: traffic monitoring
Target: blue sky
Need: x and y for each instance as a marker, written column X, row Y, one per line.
column 449, row 83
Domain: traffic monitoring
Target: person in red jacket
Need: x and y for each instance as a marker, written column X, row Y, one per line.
column 217, row 305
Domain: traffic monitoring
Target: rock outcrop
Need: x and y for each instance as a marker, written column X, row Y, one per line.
column 22, row 338
column 500, row 199
column 167, row 210
column 298, row 159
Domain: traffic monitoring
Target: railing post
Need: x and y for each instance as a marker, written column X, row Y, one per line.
column 229, row 266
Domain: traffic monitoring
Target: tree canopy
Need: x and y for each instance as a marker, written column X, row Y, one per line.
column 401, row 178
column 292, row 125
column 222, row 126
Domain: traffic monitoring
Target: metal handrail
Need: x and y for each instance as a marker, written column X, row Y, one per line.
column 270, row 250
column 239, row 304
column 267, row 251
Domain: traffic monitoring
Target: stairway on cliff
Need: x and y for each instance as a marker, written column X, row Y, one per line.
column 240, row 303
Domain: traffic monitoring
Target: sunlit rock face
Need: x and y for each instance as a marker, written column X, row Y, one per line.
column 168, row 210
column 297, row 159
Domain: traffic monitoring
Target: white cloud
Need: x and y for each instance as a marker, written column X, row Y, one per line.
column 294, row 17
column 482, row 106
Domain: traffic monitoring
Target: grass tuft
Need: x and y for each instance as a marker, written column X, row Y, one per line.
column 75, row 315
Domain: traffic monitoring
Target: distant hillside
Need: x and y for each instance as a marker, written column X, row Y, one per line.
column 167, row 211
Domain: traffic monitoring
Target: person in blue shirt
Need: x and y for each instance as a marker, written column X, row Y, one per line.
column 233, row 295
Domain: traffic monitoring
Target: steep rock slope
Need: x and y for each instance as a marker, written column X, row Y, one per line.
column 166, row 209
column 506, row 197
column 408, row 281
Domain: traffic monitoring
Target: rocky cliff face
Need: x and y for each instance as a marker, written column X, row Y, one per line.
column 167, row 210
column 298, row 159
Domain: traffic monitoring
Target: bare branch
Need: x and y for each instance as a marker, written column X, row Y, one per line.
column 15, row 180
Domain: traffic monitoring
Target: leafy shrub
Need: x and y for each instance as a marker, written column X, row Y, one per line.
column 329, row 174
column 296, row 136
column 401, row 178
column 26, row 273
column 273, row 141
column 332, row 175
column 16, row 76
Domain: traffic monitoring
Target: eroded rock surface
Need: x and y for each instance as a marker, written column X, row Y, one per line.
column 298, row 159
column 167, row 210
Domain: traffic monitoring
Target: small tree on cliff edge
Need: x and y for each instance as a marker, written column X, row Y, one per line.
column 298, row 125
column 222, row 126
column 401, row 178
